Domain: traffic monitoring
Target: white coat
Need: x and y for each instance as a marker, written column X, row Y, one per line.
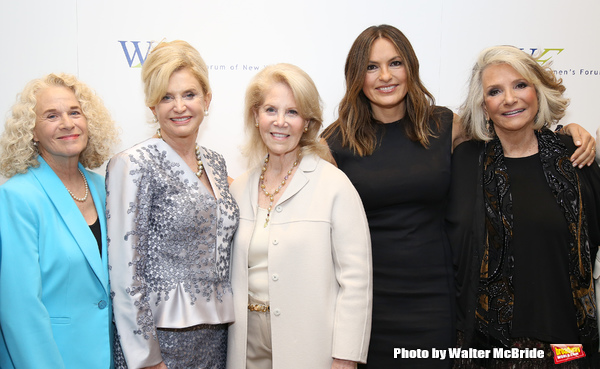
column 319, row 267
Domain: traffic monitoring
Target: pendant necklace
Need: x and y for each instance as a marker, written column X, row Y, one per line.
column 270, row 196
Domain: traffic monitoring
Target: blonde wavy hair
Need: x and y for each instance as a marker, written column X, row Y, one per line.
column 164, row 60
column 17, row 152
column 308, row 102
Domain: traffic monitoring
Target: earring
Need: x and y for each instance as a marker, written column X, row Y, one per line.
column 155, row 119
column 206, row 113
column 256, row 124
column 489, row 125
column 35, row 143
column 305, row 128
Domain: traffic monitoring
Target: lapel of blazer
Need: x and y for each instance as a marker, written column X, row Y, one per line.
column 100, row 203
column 300, row 178
column 190, row 175
column 209, row 171
column 73, row 219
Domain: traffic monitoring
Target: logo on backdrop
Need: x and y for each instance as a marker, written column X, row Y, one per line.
column 544, row 56
column 136, row 52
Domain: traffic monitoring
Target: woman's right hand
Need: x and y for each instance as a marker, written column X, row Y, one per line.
column 586, row 145
column 160, row 365
column 343, row 364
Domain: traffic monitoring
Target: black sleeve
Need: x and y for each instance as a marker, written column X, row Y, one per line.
column 589, row 177
column 465, row 229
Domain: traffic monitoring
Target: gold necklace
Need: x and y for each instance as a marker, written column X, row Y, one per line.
column 198, row 157
column 270, row 196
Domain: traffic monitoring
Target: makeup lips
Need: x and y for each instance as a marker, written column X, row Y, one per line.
column 513, row 112
column 387, row 88
column 179, row 120
column 278, row 135
column 69, row 137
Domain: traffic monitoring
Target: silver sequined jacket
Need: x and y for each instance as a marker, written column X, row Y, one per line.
column 169, row 245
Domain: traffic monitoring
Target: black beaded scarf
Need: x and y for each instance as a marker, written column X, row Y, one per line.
column 495, row 296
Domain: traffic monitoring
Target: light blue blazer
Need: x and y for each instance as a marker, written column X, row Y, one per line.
column 55, row 309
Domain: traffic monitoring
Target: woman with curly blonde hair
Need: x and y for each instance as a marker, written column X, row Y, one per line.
column 54, row 291
column 17, row 145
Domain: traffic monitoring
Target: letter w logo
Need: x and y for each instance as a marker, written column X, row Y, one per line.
column 136, row 53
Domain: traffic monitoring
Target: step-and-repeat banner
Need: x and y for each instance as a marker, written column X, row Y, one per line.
column 105, row 43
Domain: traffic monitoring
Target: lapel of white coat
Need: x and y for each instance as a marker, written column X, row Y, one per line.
column 300, row 178
column 252, row 188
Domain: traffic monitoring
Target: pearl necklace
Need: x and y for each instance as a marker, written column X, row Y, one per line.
column 270, row 196
column 80, row 199
column 198, row 156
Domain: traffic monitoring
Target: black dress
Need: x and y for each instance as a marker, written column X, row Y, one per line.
column 404, row 187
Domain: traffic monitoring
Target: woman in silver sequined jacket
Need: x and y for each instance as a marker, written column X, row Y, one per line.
column 171, row 220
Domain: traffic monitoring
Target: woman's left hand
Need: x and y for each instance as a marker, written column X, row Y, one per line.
column 343, row 364
column 586, row 145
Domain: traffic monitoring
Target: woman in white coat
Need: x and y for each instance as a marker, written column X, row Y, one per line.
column 301, row 267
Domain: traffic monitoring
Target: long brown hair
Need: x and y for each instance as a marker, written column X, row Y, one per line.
column 355, row 116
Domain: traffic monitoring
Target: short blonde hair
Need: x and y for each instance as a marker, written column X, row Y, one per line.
column 17, row 152
column 551, row 102
column 307, row 100
column 164, row 60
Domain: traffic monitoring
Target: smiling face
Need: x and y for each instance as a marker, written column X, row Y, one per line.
column 510, row 101
column 181, row 110
column 385, row 83
column 60, row 128
column 279, row 122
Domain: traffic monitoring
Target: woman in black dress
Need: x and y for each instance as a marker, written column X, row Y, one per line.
column 395, row 146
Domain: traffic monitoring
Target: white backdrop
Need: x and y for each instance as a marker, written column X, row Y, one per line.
column 236, row 38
